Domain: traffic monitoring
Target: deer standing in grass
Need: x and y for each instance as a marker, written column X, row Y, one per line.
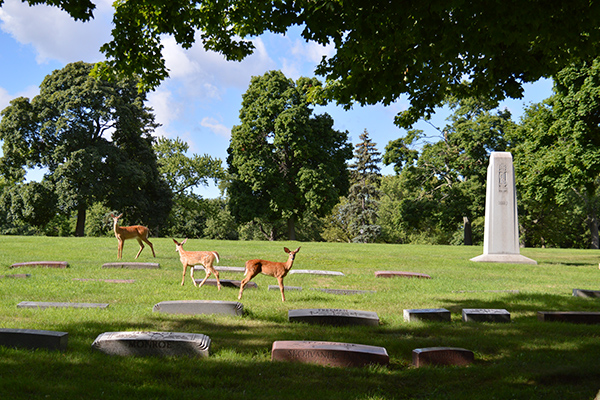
column 138, row 232
column 275, row 269
column 191, row 258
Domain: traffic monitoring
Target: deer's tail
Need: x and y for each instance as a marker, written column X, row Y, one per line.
column 216, row 255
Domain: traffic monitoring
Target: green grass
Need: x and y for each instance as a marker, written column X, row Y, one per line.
column 525, row 359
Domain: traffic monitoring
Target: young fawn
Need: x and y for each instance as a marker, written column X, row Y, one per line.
column 122, row 233
column 191, row 258
column 275, row 269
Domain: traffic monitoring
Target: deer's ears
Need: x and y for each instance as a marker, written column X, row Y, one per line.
column 184, row 240
column 288, row 250
column 175, row 241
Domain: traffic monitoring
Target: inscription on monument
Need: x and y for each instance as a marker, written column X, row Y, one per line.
column 153, row 344
column 329, row 353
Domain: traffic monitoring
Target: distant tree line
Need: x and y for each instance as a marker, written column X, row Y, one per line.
column 290, row 175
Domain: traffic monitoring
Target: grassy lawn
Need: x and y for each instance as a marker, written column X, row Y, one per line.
column 524, row 359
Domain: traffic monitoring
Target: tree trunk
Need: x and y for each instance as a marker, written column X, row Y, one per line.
column 80, row 228
column 468, row 235
column 593, row 224
column 292, row 228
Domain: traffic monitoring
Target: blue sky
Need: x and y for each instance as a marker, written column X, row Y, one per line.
column 201, row 100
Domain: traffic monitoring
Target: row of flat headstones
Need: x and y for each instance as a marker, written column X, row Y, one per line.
column 326, row 353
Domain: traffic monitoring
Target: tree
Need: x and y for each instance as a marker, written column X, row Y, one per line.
column 362, row 203
column 283, row 161
column 445, row 181
column 383, row 49
column 557, row 148
column 66, row 130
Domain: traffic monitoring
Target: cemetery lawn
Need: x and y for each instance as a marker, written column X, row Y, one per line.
column 523, row 359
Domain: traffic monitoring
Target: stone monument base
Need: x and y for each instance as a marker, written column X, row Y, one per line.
column 504, row 258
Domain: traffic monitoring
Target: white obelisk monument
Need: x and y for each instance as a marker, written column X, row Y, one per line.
column 501, row 236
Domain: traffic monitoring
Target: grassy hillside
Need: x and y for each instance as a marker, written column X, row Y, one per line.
column 525, row 359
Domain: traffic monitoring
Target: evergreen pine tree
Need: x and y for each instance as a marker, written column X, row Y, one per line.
column 363, row 198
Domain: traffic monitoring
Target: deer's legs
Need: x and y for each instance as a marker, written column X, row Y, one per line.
column 280, row 280
column 184, row 271
column 141, row 247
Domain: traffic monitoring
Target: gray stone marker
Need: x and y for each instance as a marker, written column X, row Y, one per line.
column 501, row 234
column 276, row 287
column 331, row 316
column 105, row 280
column 43, row 305
column 197, row 307
column 343, row 291
column 329, row 353
column 132, row 265
column 153, row 344
column 34, row 339
column 223, row 269
column 403, row 274
column 586, row 293
column 228, row 283
column 43, row 264
column 16, row 276
column 574, row 317
column 316, row 272
column 485, row 315
column 442, row 356
column 427, row 314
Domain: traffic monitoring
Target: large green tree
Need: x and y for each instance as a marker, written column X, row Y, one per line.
column 94, row 138
column 557, row 150
column 283, row 160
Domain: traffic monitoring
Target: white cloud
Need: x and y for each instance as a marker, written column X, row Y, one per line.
column 5, row 97
column 54, row 34
column 216, row 127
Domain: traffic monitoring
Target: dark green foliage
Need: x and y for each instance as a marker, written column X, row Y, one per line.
column 283, row 161
column 94, row 138
column 442, row 187
column 557, row 153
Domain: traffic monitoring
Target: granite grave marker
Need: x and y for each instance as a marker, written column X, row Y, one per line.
column 329, row 353
column 153, row 344
column 332, row 316
column 198, row 307
column 34, row 339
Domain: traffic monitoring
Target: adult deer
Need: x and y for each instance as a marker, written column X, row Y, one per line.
column 275, row 269
column 138, row 232
column 191, row 258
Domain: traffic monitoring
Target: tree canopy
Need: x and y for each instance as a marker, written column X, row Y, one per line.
column 94, row 139
column 283, row 160
column 423, row 50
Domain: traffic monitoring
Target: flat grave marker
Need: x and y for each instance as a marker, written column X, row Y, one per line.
column 16, row 276
column 157, row 344
column 442, row 356
column 198, row 307
column 41, row 264
column 132, row 265
column 329, row 353
column 427, row 314
column 228, row 283
column 223, row 269
column 574, row 317
column 43, row 305
column 343, row 291
column 332, row 316
column 105, row 280
column 586, row 293
column 316, row 272
column 401, row 274
column 276, row 287
column 34, row 339
column 485, row 315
